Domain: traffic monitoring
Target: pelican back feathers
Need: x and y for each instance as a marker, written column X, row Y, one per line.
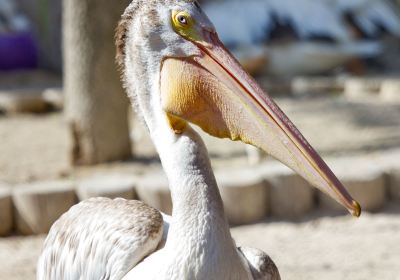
column 100, row 239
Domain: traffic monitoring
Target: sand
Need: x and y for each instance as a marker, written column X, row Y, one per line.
column 329, row 248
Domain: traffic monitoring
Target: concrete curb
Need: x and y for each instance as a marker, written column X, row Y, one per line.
column 249, row 193
column 394, row 184
column 390, row 90
column 22, row 101
column 356, row 88
column 6, row 210
column 115, row 186
column 291, row 196
column 245, row 195
column 153, row 189
column 39, row 205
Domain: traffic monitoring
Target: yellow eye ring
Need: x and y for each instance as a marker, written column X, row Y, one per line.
column 182, row 20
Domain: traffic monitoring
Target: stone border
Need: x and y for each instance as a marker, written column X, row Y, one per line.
column 6, row 210
column 250, row 194
column 31, row 100
column 353, row 88
column 41, row 100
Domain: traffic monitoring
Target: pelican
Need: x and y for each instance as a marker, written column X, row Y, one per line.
column 178, row 74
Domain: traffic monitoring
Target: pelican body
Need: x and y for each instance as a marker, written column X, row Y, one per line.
column 178, row 74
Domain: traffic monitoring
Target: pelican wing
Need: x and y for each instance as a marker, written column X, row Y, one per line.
column 262, row 267
column 100, row 239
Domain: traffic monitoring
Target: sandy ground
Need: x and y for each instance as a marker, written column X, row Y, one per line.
column 322, row 248
column 331, row 248
column 18, row 257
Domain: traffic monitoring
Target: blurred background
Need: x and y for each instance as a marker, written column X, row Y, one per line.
column 67, row 132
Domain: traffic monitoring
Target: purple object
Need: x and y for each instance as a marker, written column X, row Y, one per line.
column 18, row 51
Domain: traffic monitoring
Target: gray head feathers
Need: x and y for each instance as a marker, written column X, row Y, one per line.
column 137, row 7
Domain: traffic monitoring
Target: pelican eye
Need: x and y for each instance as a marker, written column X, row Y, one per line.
column 182, row 20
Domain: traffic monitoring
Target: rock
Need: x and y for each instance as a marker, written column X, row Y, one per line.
column 39, row 205
column 291, row 196
column 275, row 86
column 252, row 58
column 307, row 85
column 6, row 213
column 22, row 101
column 254, row 155
column 390, row 90
column 394, row 184
column 153, row 189
column 30, row 78
column 387, row 160
column 365, row 181
column 245, row 194
column 54, row 97
column 115, row 186
column 359, row 88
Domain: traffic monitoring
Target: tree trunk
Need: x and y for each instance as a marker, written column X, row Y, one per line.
column 96, row 105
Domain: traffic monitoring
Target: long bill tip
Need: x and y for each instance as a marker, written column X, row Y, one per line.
column 356, row 211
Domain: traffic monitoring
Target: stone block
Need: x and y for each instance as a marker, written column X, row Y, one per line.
column 39, row 205
column 113, row 186
column 6, row 213
column 245, row 194
column 254, row 155
column 253, row 58
column 306, row 85
column 153, row 189
column 394, row 184
column 291, row 196
column 390, row 90
column 275, row 86
column 54, row 97
column 23, row 101
column 365, row 181
column 359, row 88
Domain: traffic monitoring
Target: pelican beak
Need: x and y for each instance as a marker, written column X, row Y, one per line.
column 213, row 92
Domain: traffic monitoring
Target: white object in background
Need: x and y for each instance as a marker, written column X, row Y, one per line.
column 11, row 19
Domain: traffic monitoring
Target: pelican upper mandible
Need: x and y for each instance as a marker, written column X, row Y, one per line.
column 178, row 74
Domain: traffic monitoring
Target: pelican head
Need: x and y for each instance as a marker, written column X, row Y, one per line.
column 187, row 77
